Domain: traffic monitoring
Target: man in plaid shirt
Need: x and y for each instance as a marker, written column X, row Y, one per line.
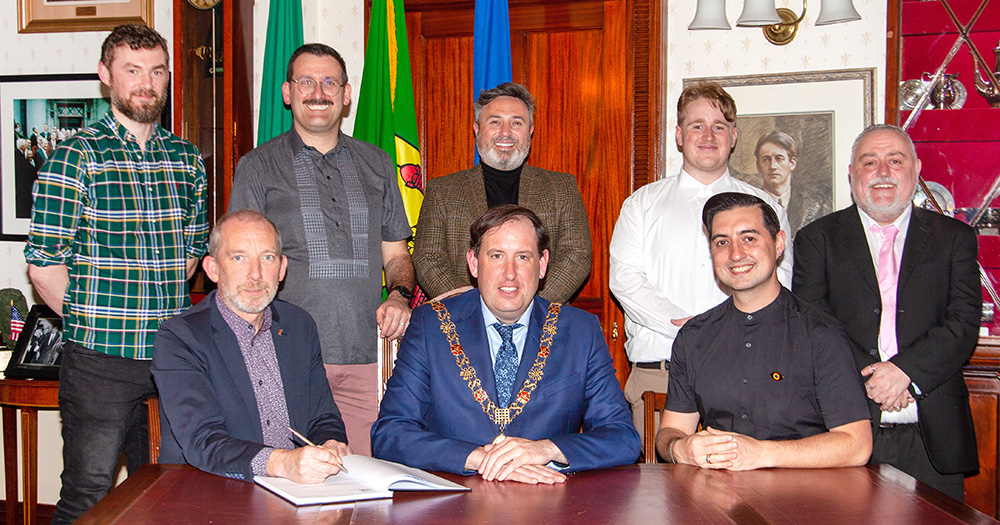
column 118, row 227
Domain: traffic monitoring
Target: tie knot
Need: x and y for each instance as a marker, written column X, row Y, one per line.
column 888, row 233
column 506, row 331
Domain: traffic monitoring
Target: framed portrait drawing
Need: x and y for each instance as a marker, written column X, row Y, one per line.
column 795, row 132
column 38, row 351
column 37, row 113
column 49, row 16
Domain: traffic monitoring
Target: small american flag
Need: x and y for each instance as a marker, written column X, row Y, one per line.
column 16, row 323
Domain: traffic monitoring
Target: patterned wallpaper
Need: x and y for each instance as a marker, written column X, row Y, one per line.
column 744, row 51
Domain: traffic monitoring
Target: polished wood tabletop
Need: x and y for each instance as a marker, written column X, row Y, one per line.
column 637, row 494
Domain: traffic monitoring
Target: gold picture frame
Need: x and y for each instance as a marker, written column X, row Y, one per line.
column 51, row 16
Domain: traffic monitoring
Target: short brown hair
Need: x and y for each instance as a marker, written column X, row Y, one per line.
column 135, row 36
column 500, row 215
column 731, row 200
column 778, row 138
column 714, row 93
column 507, row 89
column 320, row 50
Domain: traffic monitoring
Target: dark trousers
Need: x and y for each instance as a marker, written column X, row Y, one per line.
column 903, row 447
column 100, row 401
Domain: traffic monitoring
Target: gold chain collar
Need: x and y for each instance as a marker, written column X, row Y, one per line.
column 501, row 416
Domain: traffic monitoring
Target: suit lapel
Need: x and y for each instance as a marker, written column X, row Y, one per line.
column 468, row 319
column 229, row 348
column 529, row 192
column 530, row 351
column 476, row 190
column 918, row 237
column 855, row 245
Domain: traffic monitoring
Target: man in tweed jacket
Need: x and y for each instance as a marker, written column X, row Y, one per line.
column 503, row 127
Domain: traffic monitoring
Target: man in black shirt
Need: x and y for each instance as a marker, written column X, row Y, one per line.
column 770, row 378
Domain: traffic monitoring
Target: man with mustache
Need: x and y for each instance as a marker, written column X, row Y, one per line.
column 503, row 125
column 238, row 370
column 768, row 376
column 905, row 283
column 117, row 229
column 336, row 200
column 661, row 270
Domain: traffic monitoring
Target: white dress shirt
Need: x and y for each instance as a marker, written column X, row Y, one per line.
column 902, row 223
column 661, row 268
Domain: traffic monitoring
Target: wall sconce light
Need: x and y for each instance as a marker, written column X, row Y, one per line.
column 779, row 25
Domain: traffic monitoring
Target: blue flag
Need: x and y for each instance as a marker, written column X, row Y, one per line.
column 491, row 62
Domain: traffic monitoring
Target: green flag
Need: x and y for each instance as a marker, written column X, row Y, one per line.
column 386, row 113
column 284, row 36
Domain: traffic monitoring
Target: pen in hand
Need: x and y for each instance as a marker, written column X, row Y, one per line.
column 311, row 444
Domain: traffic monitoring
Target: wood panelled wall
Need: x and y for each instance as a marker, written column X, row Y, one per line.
column 594, row 69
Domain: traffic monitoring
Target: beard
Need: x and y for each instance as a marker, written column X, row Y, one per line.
column 239, row 304
column 884, row 213
column 140, row 112
column 503, row 161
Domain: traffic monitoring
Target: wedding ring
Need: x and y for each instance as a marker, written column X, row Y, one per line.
column 708, row 459
column 873, row 367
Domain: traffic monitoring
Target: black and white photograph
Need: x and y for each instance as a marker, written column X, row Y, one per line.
column 38, row 352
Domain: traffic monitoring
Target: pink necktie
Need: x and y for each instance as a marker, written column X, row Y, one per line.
column 888, row 277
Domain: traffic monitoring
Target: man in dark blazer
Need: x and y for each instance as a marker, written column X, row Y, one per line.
column 503, row 127
column 552, row 405
column 237, row 371
column 914, row 357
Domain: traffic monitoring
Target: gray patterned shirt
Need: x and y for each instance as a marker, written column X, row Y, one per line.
column 265, row 376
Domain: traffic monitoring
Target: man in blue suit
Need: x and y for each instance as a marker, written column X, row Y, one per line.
column 501, row 382
column 237, row 371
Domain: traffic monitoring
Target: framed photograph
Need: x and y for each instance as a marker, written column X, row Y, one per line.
column 38, row 352
column 795, row 132
column 38, row 112
column 49, row 16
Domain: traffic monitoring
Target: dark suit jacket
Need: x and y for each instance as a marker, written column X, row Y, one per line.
column 452, row 202
column 429, row 418
column 208, row 410
column 805, row 206
column 938, row 299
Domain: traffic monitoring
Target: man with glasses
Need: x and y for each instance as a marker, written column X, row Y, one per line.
column 337, row 204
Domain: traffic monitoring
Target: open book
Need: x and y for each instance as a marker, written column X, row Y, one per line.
column 369, row 478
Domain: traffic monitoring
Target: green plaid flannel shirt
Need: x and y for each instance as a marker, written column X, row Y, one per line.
column 124, row 222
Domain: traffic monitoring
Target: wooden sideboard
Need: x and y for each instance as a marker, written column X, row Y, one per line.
column 982, row 375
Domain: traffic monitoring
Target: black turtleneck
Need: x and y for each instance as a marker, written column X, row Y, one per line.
column 501, row 186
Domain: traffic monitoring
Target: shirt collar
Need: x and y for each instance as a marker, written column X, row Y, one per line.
column 296, row 143
column 236, row 322
column 901, row 223
column 692, row 187
column 489, row 318
column 124, row 135
column 764, row 314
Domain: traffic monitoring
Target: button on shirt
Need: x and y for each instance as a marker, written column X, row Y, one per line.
column 661, row 268
column 257, row 347
column 783, row 372
column 902, row 223
column 125, row 220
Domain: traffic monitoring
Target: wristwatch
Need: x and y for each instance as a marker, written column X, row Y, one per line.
column 404, row 291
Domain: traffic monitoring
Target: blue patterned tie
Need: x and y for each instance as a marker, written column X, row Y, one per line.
column 505, row 368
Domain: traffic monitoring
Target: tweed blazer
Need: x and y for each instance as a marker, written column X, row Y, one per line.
column 452, row 202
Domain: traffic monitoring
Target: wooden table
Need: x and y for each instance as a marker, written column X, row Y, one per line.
column 26, row 395
column 637, row 494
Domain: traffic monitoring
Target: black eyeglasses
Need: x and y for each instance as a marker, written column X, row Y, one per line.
column 307, row 85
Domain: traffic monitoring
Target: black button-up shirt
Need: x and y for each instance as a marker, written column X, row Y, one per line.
column 783, row 372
